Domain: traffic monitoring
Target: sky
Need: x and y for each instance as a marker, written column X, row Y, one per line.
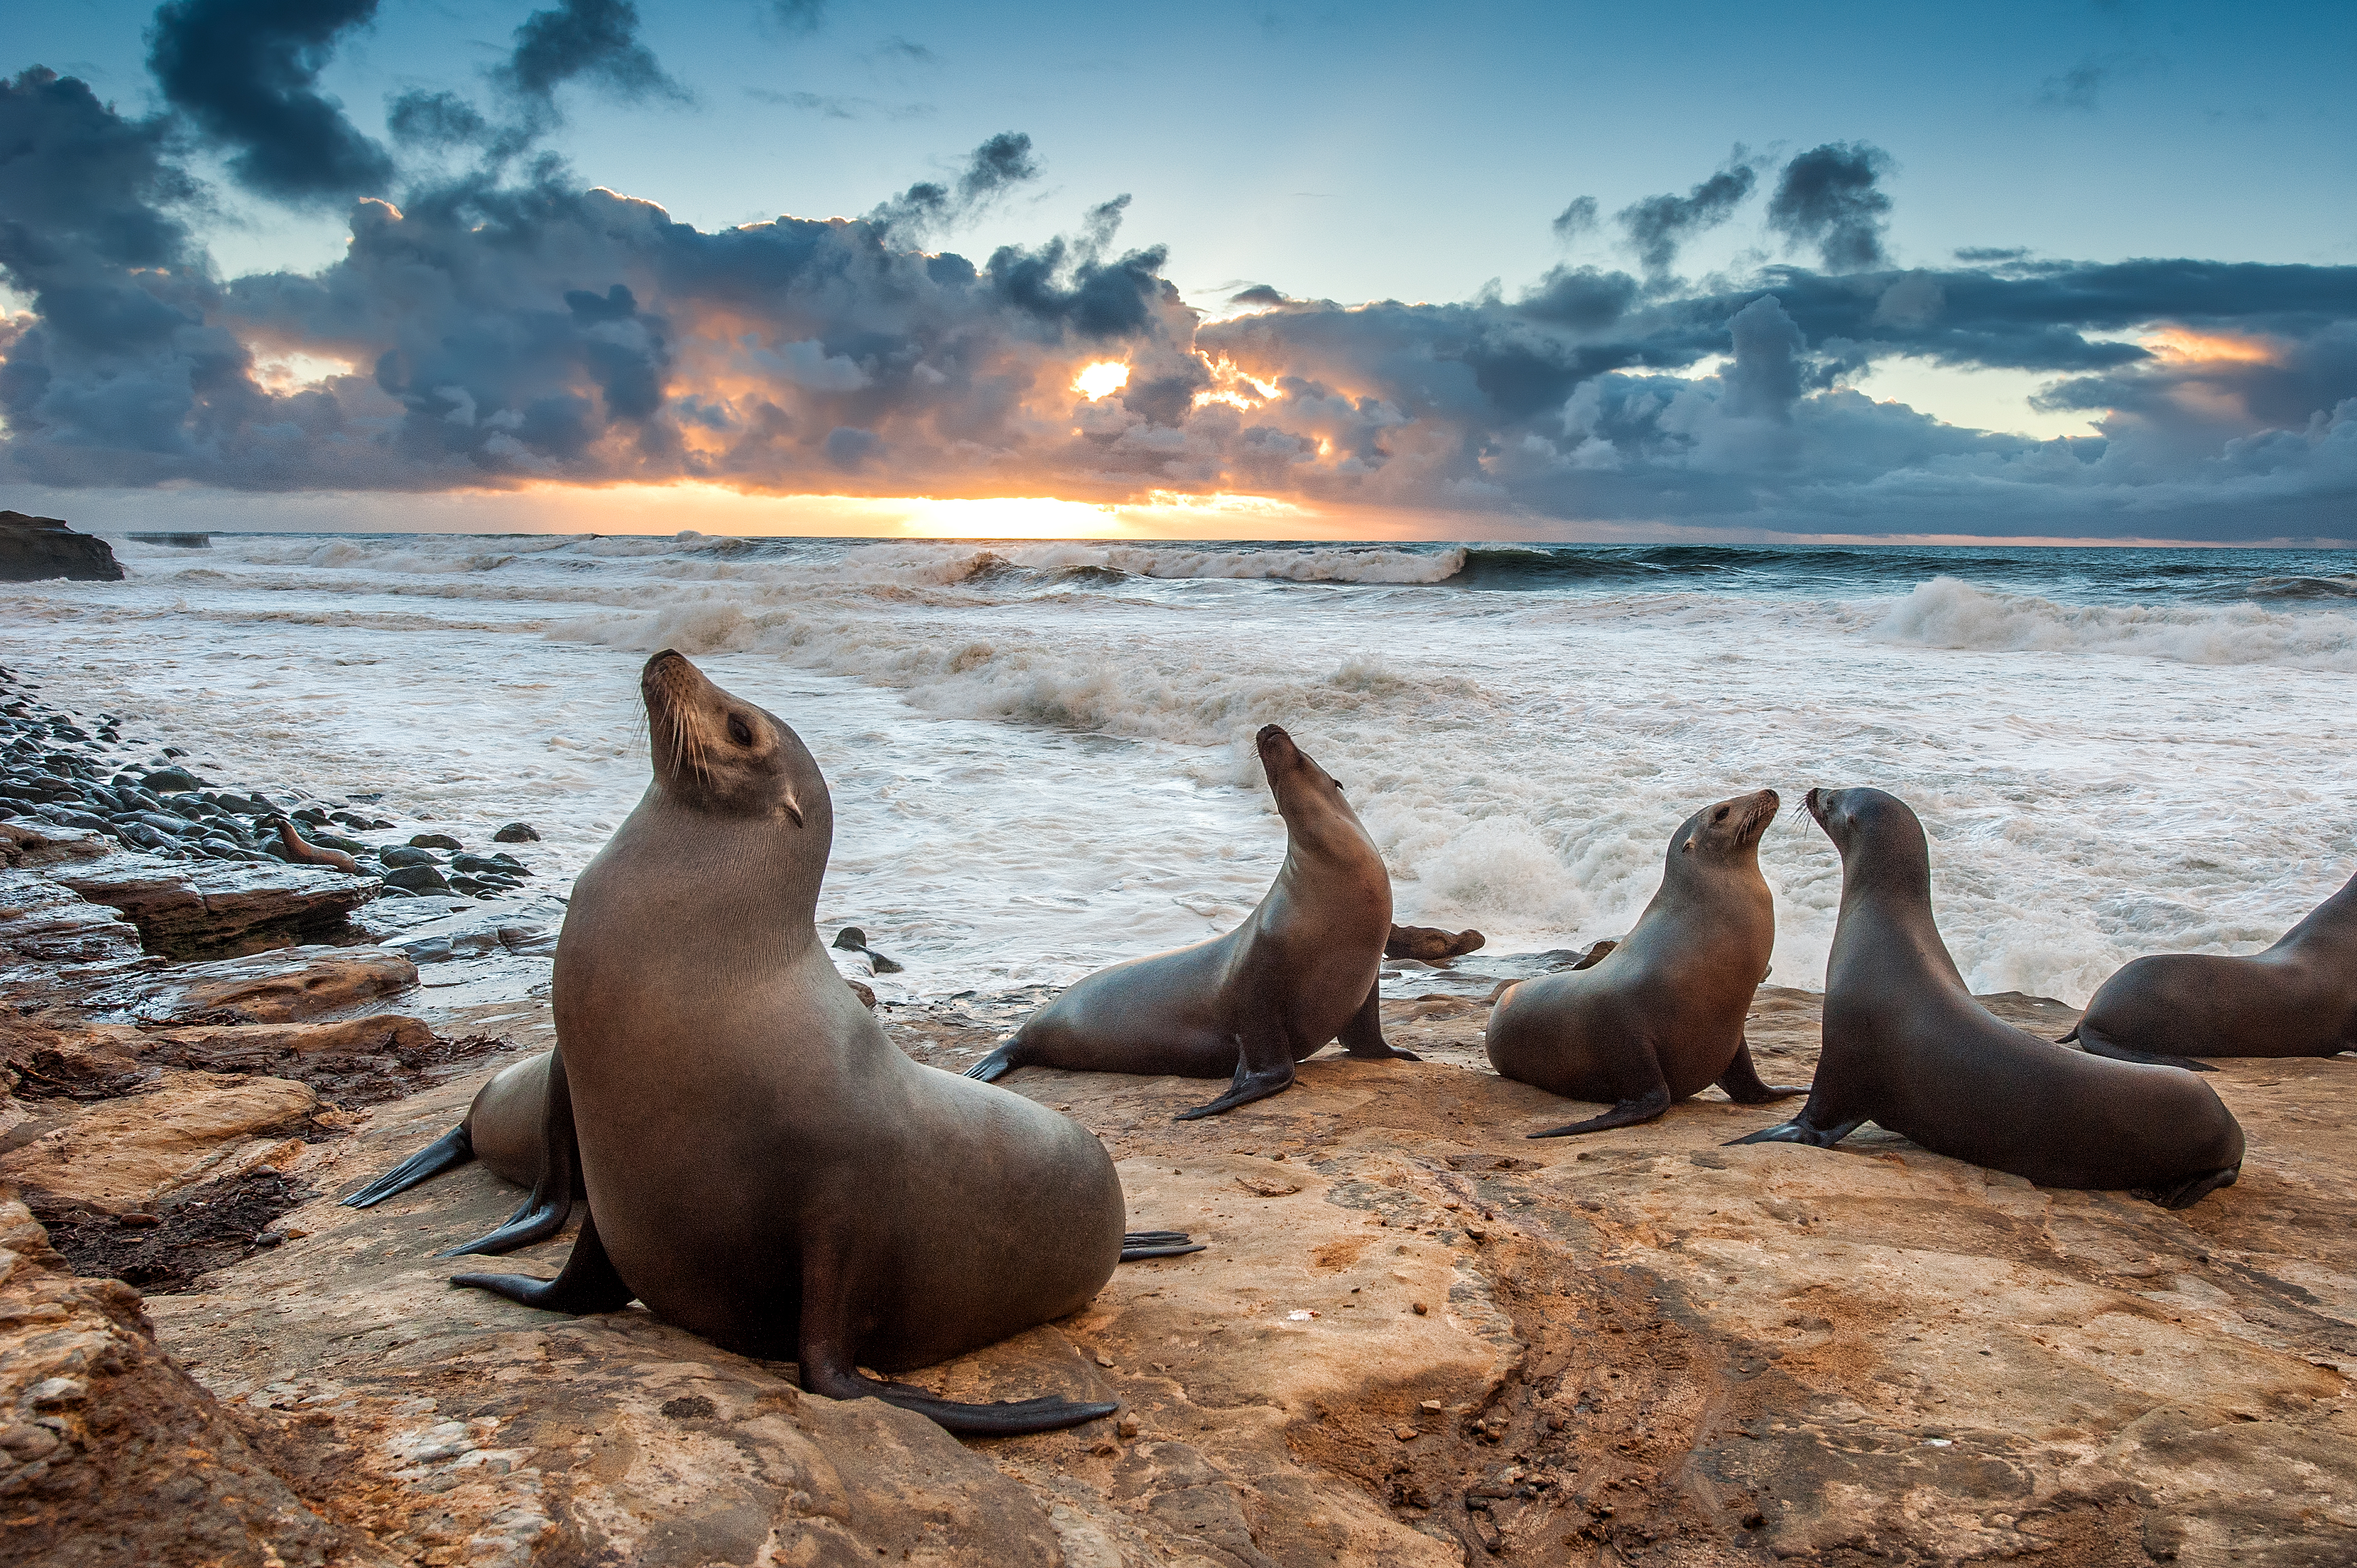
column 2070, row 271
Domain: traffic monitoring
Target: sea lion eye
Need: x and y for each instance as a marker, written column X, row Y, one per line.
column 739, row 731
column 1719, row 815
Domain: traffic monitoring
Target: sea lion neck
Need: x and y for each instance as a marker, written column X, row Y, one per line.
column 2331, row 927
column 759, row 878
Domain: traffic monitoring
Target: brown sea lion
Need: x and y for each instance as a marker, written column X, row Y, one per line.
column 1908, row 1048
column 1430, row 944
column 311, row 854
column 1658, row 1015
column 2296, row 999
column 763, row 1167
column 1303, row 969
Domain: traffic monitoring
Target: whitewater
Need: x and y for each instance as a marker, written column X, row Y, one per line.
column 1040, row 753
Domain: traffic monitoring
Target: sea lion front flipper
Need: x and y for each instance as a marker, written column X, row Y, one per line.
column 586, row 1283
column 2095, row 1045
column 447, row 1151
column 543, row 1213
column 1741, row 1081
column 2191, row 1190
column 828, row 1369
column 1263, row 1067
column 1138, row 1245
column 1799, row 1131
column 1646, row 1107
column 1362, row 1036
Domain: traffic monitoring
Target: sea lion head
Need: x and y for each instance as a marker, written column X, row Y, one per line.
column 1863, row 822
column 719, row 754
column 1728, row 832
column 1308, row 797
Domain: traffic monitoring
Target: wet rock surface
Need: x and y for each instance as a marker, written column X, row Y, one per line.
column 38, row 549
column 1415, row 1337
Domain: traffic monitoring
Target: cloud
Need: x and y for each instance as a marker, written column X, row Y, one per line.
column 831, row 106
column 594, row 41
column 1658, row 225
column 2074, row 88
column 497, row 330
column 798, row 15
column 1828, row 197
column 246, row 74
column 1577, row 221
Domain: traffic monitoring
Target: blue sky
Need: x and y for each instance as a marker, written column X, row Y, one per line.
column 1410, row 154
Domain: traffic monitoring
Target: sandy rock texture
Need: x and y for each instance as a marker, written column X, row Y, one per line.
column 1417, row 1338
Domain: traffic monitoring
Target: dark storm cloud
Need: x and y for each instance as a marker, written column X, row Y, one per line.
column 1575, row 221
column 440, row 120
column 1828, row 197
column 929, row 207
column 500, row 329
column 1658, row 225
column 246, row 73
column 594, row 42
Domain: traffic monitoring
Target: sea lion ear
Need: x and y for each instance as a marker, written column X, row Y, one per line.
column 1688, row 847
column 792, row 808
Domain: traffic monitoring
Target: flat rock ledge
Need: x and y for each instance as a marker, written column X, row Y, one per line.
column 1417, row 1337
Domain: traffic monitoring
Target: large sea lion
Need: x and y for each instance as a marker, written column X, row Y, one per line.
column 1301, row 970
column 1908, row 1048
column 2296, row 999
column 763, row 1166
column 1660, row 1014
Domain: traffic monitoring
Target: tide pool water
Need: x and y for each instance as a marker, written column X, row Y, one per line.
column 1041, row 758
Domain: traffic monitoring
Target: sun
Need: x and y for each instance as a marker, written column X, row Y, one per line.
column 1105, row 376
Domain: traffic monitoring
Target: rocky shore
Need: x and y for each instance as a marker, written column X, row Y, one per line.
column 1416, row 1337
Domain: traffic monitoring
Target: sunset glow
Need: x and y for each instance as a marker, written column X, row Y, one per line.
column 2183, row 343
column 1104, row 377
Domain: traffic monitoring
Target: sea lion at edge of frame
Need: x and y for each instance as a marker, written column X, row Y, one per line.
column 1908, row 1048
column 2296, row 999
column 1660, row 1016
column 801, row 1189
column 1304, row 969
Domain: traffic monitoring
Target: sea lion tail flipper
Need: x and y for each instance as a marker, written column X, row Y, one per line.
column 2066, row 1040
column 587, row 1282
column 447, row 1151
column 541, row 1215
column 1362, row 1036
column 1136, row 1245
column 1741, row 1081
column 1800, row 1130
column 2095, row 1045
column 1646, row 1107
column 2191, row 1190
column 998, row 1064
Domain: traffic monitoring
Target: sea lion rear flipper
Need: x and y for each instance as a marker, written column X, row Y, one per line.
column 828, row 1369
column 2095, row 1045
column 1742, row 1085
column 1263, row 1067
column 2191, row 1190
column 1136, row 1245
column 1799, row 1131
column 1646, row 1107
column 447, row 1151
column 586, row 1283
column 542, row 1214
column 996, row 1065
column 1362, row 1036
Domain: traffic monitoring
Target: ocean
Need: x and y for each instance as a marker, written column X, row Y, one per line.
column 1041, row 753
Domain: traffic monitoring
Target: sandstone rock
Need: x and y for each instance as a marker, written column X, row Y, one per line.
column 124, row 1155
column 200, row 908
column 45, row 926
column 37, row 549
column 278, row 985
column 110, row 1453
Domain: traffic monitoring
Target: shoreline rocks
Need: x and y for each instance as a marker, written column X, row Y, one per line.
column 44, row 549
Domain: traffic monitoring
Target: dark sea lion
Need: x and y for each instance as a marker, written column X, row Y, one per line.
column 1908, row 1048
column 1430, row 944
column 1658, row 1015
column 1301, row 970
column 311, row 854
column 2296, row 999
column 763, row 1167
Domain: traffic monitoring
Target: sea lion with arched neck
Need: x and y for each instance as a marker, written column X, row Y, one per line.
column 1301, row 970
column 763, row 1167
column 1660, row 1016
column 2296, row 999
column 1908, row 1048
